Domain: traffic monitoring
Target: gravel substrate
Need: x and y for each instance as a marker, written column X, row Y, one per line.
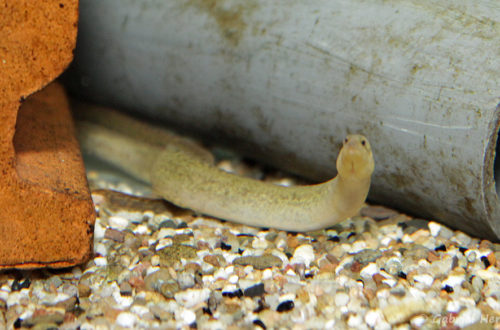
column 158, row 266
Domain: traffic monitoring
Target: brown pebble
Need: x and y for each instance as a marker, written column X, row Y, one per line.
column 292, row 242
column 259, row 262
column 356, row 267
column 432, row 256
column 327, row 268
column 280, row 280
column 137, row 282
column 369, row 294
column 181, row 238
column 491, row 258
column 114, row 235
column 230, row 307
column 378, row 278
column 125, row 289
column 239, row 271
column 202, row 245
column 83, row 290
column 212, row 259
column 485, row 244
column 110, row 313
column 192, row 267
column 334, row 260
column 303, row 295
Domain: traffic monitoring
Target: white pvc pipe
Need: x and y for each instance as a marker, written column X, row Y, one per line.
column 286, row 80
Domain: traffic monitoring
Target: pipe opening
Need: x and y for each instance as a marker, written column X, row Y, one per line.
column 496, row 166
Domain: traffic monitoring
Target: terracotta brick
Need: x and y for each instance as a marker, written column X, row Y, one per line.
column 46, row 213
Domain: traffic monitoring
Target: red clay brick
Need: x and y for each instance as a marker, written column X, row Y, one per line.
column 46, row 213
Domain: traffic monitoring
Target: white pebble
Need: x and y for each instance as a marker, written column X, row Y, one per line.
column 165, row 232
column 369, row 270
column 404, row 310
column 122, row 301
column 373, row 317
column 434, row 228
column 230, row 269
column 467, row 317
column 286, row 297
column 330, row 324
column 192, row 297
column 126, row 319
column 267, row 274
column 188, row 317
column 99, row 231
column 383, row 294
column 454, row 280
column 303, row 254
column 354, row 321
column 493, row 303
column 418, row 321
column 453, row 306
column 417, row 293
column 118, row 222
column 101, row 261
column 100, row 249
column 260, row 243
column 407, row 239
column 139, row 310
column 462, row 239
column 488, row 275
column 358, row 246
column 341, row 299
column 221, row 274
column 141, row 230
column 163, row 243
column 425, row 279
column 233, row 279
column 390, row 282
column 229, row 288
column 385, row 241
column 208, row 279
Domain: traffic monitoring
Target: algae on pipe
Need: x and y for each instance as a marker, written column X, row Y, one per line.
column 183, row 173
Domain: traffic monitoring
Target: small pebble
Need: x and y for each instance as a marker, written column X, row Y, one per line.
column 125, row 289
column 114, row 235
column 254, row 290
column 188, row 317
column 463, row 239
column 285, row 306
column 303, row 254
column 260, row 262
column 118, row 222
column 126, row 319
